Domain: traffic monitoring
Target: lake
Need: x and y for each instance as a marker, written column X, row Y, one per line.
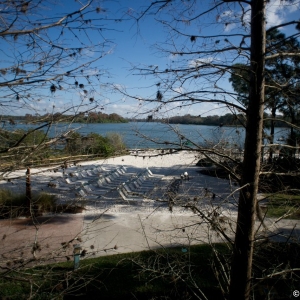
column 140, row 135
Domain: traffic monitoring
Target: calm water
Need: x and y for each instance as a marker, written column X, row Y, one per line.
column 157, row 135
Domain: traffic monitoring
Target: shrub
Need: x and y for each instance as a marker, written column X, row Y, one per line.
column 30, row 137
column 204, row 162
column 95, row 143
column 44, row 202
column 116, row 140
column 14, row 205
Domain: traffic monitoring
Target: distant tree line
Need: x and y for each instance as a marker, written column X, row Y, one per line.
column 90, row 117
column 214, row 120
column 99, row 117
column 226, row 120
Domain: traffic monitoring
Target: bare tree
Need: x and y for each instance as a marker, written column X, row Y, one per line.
column 50, row 56
column 43, row 64
column 200, row 65
column 50, row 71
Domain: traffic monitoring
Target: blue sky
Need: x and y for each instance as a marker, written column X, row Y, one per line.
column 134, row 44
column 137, row 46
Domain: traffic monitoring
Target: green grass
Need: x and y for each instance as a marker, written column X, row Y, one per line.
column 152, row 275
column 119, row 277
column 283, row 205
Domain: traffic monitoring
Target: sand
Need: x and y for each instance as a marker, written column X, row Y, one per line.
column 111, row 225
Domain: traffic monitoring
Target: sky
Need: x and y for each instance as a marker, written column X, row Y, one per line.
column 132, row 45
column 136, row 45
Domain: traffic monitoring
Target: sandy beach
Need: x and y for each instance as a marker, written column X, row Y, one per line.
column 111, row 224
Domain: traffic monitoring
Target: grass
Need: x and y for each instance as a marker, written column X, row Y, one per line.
column 119, row 276
column 153, row 275
column 286, row 205
column 13, row 205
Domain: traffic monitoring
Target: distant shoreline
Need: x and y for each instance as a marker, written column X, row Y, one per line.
column 227, row 120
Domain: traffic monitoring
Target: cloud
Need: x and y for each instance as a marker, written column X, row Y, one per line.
column 278, row 11
column 179, row 90
column 228, row 18
column 199, row 62
column 119, row 87
column 173, row 57
column 229, row 27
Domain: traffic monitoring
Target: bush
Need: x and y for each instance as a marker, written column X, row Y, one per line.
column 73, row 144
column 204, row 162
column 44, row 202
column 95, row 143
column 99, row 145
column 116, row 140
column 14, row 205
column 31, row 137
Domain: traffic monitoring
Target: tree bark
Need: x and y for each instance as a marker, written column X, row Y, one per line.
column 241, row 266
column 272, row 132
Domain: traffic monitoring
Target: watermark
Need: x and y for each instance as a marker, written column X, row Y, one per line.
column 296, row 293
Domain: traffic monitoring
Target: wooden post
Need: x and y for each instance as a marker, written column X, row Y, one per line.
column 28, row 190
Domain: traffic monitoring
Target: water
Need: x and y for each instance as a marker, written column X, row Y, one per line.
column 140, row 135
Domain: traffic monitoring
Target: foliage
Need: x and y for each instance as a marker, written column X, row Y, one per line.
column 215, row 120
column 116, row 140
column 94, row 117
column 283, row 206
column 28, row 142
column 281, row 262
column 121, row 276
column 224, row 120
column 282, row 178
column 205, row 54
column 99, row 144
column 89, row 117
column 74, row 144
column 14, row 205
column 203, row 63
column 94, row 143
column 48, row 54
column 282, row 75
column 22, row 138
column 280, row 175
column 129, row 275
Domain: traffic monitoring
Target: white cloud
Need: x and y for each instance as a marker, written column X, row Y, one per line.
column 229, row 27
column 119, row 87
column 173, row 57
column 199, row 61
column 228, row 18
column 278, row 11
column 179, row 90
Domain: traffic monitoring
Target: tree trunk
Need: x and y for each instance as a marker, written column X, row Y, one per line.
column 272, row 132
column 241, row 265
